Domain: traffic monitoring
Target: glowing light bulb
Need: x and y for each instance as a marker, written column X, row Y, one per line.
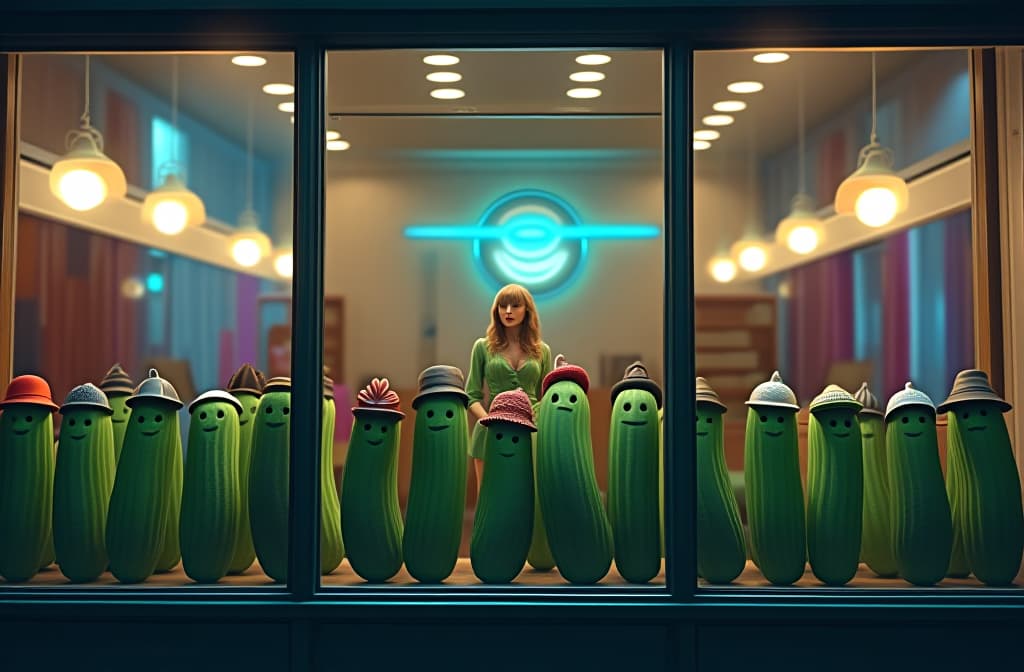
column 82, row 190
column 283, row 264
column 170, row 217
column 752, row 258
column 723, row 269
column 802, row 239
column 246, row 252
column 876, row 206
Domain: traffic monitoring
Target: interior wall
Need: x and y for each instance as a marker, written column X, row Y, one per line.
column 413, row 303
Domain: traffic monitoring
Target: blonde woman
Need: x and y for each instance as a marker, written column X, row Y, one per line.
column 511, row 356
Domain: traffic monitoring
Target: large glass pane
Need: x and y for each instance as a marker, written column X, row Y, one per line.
column 137, row 429
column 512, row 193
column 872, row 458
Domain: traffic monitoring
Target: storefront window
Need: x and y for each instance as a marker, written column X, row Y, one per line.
column 146, row 365
column 512, row 193
column 834, row 311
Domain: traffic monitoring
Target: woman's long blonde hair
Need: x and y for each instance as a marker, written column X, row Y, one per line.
column 529, row 330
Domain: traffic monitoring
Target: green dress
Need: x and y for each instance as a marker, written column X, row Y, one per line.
column 501, row 377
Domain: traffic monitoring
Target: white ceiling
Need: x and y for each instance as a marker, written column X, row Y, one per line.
column 379, row 100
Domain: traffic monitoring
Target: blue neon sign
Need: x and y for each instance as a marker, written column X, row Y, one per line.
column 533, row 238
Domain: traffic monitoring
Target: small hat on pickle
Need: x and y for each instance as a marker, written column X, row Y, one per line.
column 908, row 396
column 441, row 379
column 278, row 384
column 565, row 371
column 868, row 400
column 117, row 383
column 152, row 388
column 378, row 397
column 973, row 385
column 636, row 378
column 512, row 406
column 29, row 389
column 707, row 395
column 834, row 397
column 216, row 395
column 86, row 396
column 328, row 384
column 246, row 379
column 773, row 393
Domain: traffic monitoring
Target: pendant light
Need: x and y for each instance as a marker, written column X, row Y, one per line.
column 874, row 193
column 801, row 231
column 721, row 267
column 171, row 207
column 751, row 251
column 84, row 177
column 249, row 245
column 283, row 260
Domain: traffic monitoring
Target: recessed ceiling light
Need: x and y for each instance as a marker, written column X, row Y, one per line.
column 287, row 106
column 706, row 134
column 333, row 135
column 279, row 89
column 443, row 60
column 593, row 59
column 699, row 145
column 447, row 94
column 583, row 92
column 444, row 77
column 586, row 76
column 729, row 106
column 717, row 120
column 771, row 57
column 337, row 145
column 745, row 87
column 249, row 61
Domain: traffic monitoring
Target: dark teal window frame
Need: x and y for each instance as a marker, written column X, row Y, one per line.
column 679, row 31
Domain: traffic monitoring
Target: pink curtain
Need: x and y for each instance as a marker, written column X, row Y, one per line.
column 895, row 315
column 958, row 264
column 820, row 322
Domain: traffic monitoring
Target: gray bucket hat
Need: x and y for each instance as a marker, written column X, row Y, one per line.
column 155, row 388
column 86, row 396
column 441, row 379
column 773, row 393
column 908, row 396
column 973, row 385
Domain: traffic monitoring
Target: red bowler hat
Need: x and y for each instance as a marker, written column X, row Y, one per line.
column 565, row 371
column 29, row 389
column 512, row 406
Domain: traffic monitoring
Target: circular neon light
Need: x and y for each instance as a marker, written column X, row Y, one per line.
column 532, row 252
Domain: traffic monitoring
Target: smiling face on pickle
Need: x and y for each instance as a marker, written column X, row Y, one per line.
column 636, row 408
column 80, row 423
column 438, row 412
column 510, row 440
column 151, row 419
column 772, row 419
column 375, row 427
column 912, row 421
column 837, row 422
column 708, row 415
column 20, row 419
column 211, row 416
column 250, row 403
column 565, row 396
column 274, row 410
column 977, row 418
column 121, row 410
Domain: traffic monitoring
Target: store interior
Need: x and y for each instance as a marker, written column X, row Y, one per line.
column 425, row 162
